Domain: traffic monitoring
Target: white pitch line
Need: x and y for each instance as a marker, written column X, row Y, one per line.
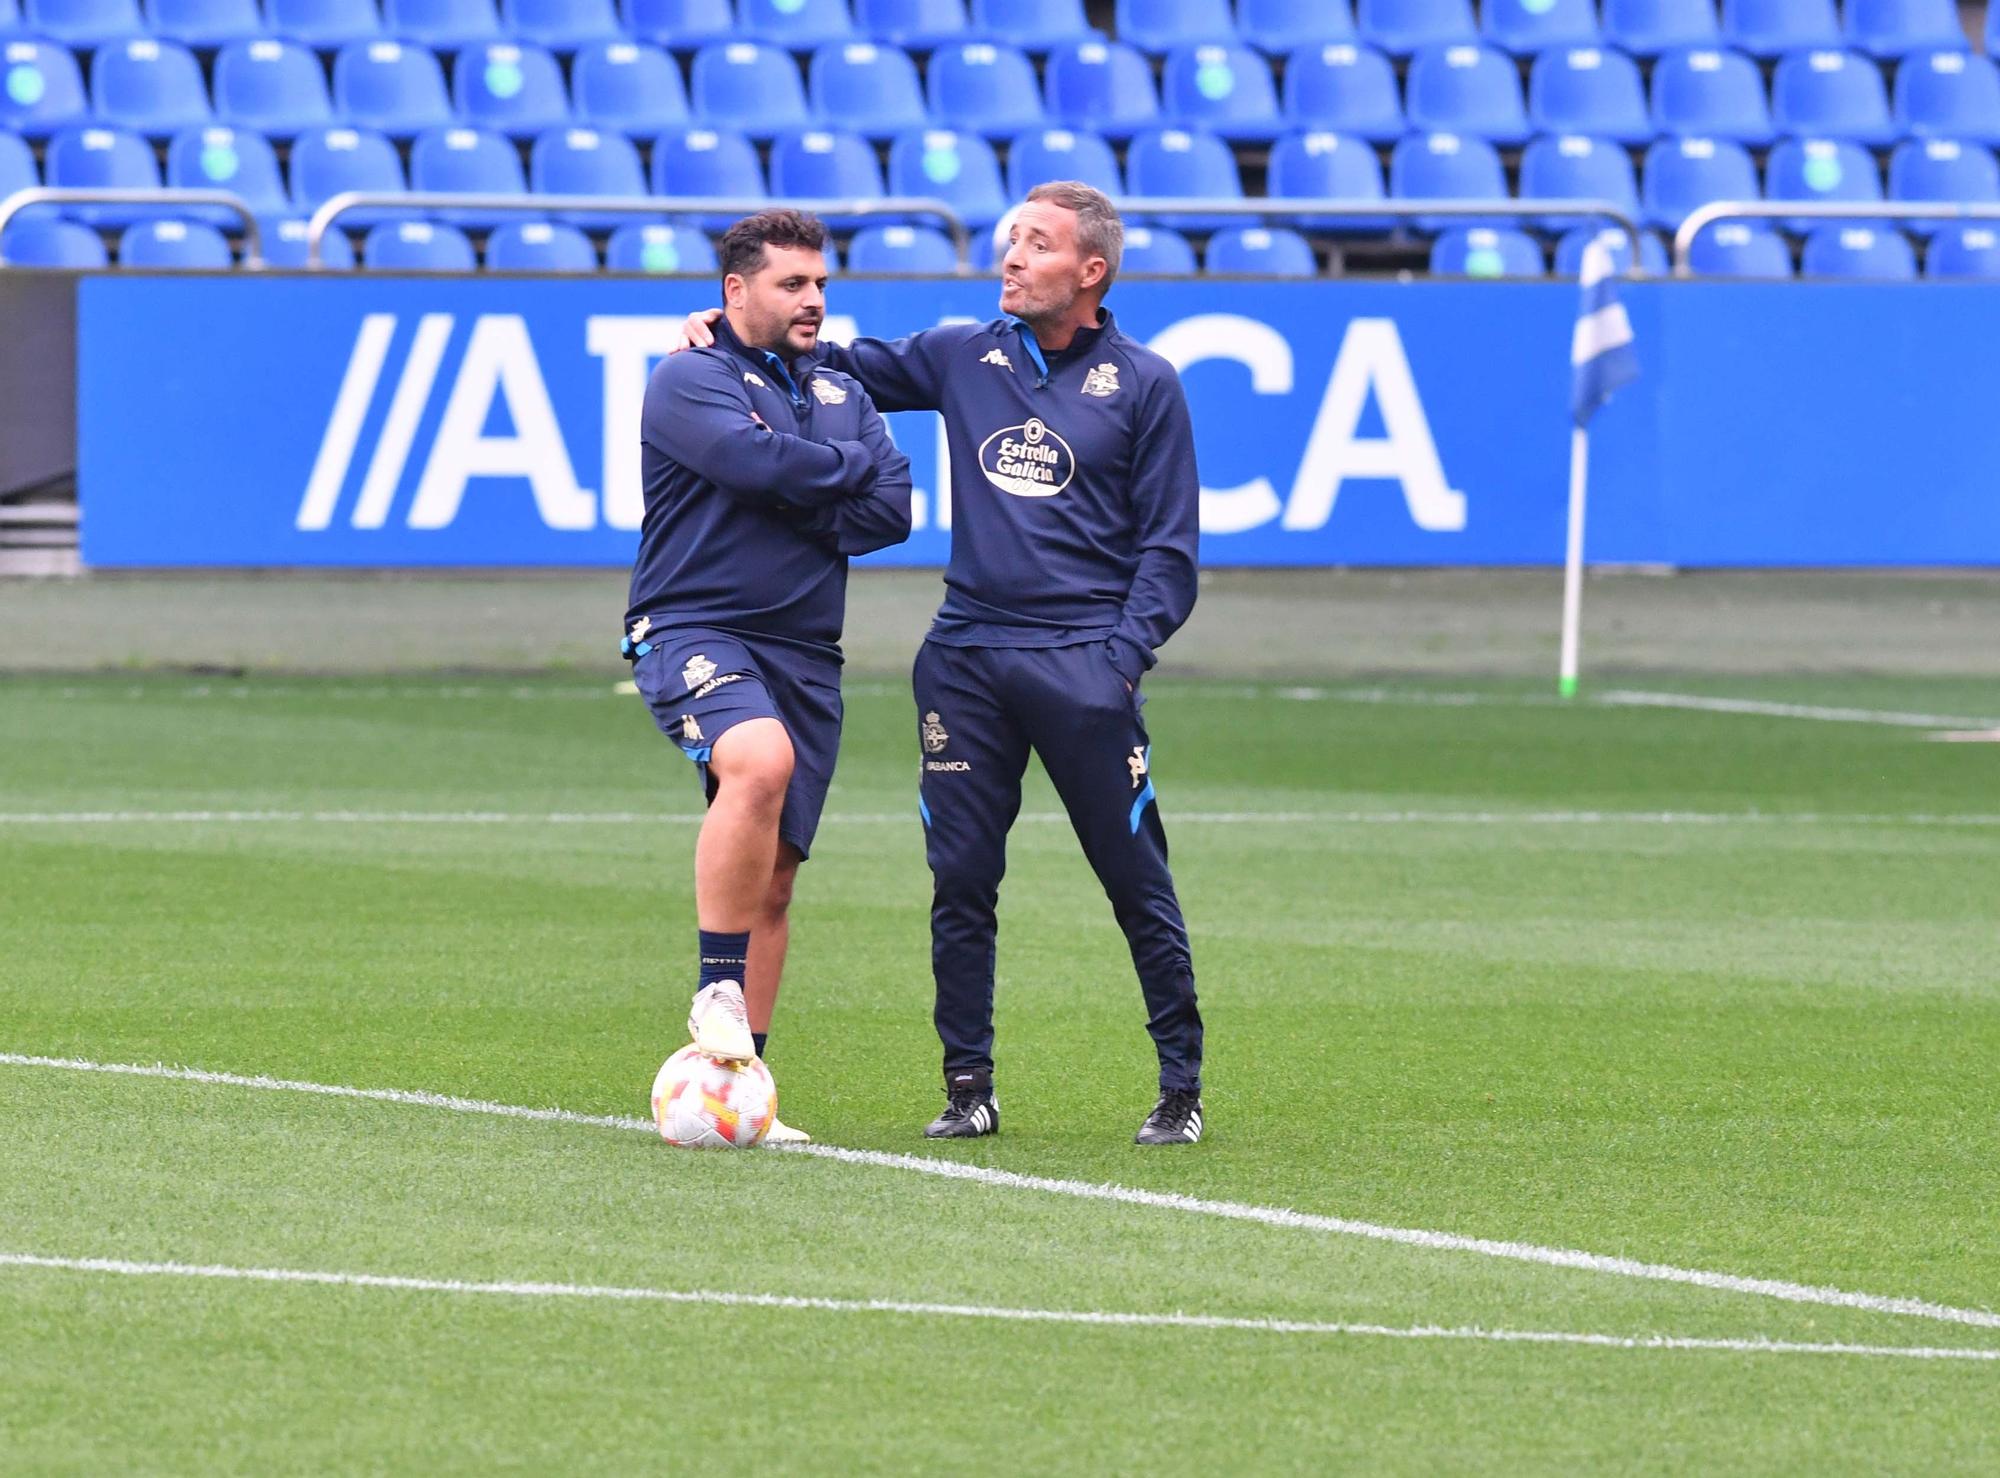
column 1102, row 1318
column 1760, row 709
column 1275, row 1216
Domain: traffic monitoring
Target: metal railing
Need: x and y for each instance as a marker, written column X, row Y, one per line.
column 1704, row 216
column 253, row 235
column 632, row 205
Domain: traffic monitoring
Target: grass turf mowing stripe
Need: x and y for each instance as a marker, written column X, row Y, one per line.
column 901, row 818
column 1275, row 1216
column 1099, row 1317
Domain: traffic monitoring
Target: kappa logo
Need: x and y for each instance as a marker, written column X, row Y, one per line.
column 1029, row 460
column 1102, row 381
column 750, row 378
column 996, row 356
column 640, row 627
column 828, row 393
column 935, row 737
column 1136, row 763
column 698, row 670
column 691, row 731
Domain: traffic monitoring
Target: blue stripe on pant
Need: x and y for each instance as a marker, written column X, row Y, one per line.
column 980, row 710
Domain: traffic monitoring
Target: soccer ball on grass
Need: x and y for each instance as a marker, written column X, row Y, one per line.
column 701, row 1102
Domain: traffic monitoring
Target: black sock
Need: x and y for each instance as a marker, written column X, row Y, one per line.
column 758, row 1039
column 723, row 956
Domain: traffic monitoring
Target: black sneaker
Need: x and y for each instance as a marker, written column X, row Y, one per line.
column 971, row 1110
column 1175, row 1119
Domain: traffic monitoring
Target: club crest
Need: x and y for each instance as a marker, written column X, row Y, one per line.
column 828, row 393
column 698, row 670
column 1102, row 381
column 935, row 738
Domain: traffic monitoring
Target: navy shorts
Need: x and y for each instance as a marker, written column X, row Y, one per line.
column 701, row 684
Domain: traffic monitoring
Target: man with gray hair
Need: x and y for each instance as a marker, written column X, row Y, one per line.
column 1074, row 533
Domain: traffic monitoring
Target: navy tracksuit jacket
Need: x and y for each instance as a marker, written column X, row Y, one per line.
column 1075, row 506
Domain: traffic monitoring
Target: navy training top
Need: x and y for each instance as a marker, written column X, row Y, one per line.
column 1075, row 503
column 748, row 526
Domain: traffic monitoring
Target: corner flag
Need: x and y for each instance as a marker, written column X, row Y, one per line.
column 1601, row 360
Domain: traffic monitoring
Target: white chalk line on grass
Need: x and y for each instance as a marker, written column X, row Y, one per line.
column 1101, row 1318
column 1275, row 1216
column 1757, row 708
column 1552, row 818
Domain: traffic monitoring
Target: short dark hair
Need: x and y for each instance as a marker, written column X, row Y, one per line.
column 743, row 243
column 1099, row 231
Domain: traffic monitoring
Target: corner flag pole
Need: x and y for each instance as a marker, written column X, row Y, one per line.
column 1601, row 360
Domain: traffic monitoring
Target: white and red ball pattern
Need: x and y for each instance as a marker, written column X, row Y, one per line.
column 702, row 1102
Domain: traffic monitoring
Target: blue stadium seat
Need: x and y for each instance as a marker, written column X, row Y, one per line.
column 680, row 25
column 984, row 87
column 1837, row 94
column 84, row 24
column 1447, row 166
column 325, row 25
column 539, row 246
column 585, row 161
column 62, row 245
column 1033, row 25
column 1486, row 251
column 152, row 87
column 1733, row 249
column 1226, row 89
column 174, row 246
column 631, row 86
column 417, row 246
column 444, row 25
column 1770, row 28
column 1573, row 167
column 1681, row 174
column 1326, row 166
column 825, row 164
column 561, row 25
column 1467, row 89
column 1569, row 252
column 1711, row 94
column 1184, row 162
column 1964, row 251
column 41, row 88
column 238, row 160
column 10, row 19
column 917, row 25
column 205, row 23
column 1156, row 251
column 748, row 86
column 1649, row 27
column 708, row 161
column 1894, row 28
column 91, row 157
column 796, row 25
column 1344, row 89
column 658, row 248
column 1159, row 26
column 1281, row 27
column 17, row 169
column 1589, row 89
column 285, row 246
column 389, row 86
column 1061, row 154
column 898, row 249
column 1993, row 30
column 1105, row 86
column 331, row 161
column 463, row 160
column 1924, row 171
column 1529, row 27
column 868, row 87
column 1949, row 94
column 957, row 168
column 275, row 87
column 1400, row 27
column 1824, row 171
column 1259, row 251
column 1859, row 252
column 512, row 88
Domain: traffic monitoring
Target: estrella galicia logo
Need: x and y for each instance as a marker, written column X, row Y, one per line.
column 1029, row 461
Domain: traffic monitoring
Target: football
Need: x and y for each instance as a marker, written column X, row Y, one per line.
column 701, row 1102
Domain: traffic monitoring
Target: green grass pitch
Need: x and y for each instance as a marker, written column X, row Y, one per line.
column 1460, row 972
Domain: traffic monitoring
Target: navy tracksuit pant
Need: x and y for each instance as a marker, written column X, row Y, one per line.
column 979, row 711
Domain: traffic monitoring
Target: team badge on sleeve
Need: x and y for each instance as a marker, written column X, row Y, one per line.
column 1102, row 381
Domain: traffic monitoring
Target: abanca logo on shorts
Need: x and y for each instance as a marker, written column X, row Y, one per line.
column 1029, row 461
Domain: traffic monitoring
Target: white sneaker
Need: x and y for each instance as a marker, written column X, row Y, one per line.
column 719, row 1022
column 783, row 1133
